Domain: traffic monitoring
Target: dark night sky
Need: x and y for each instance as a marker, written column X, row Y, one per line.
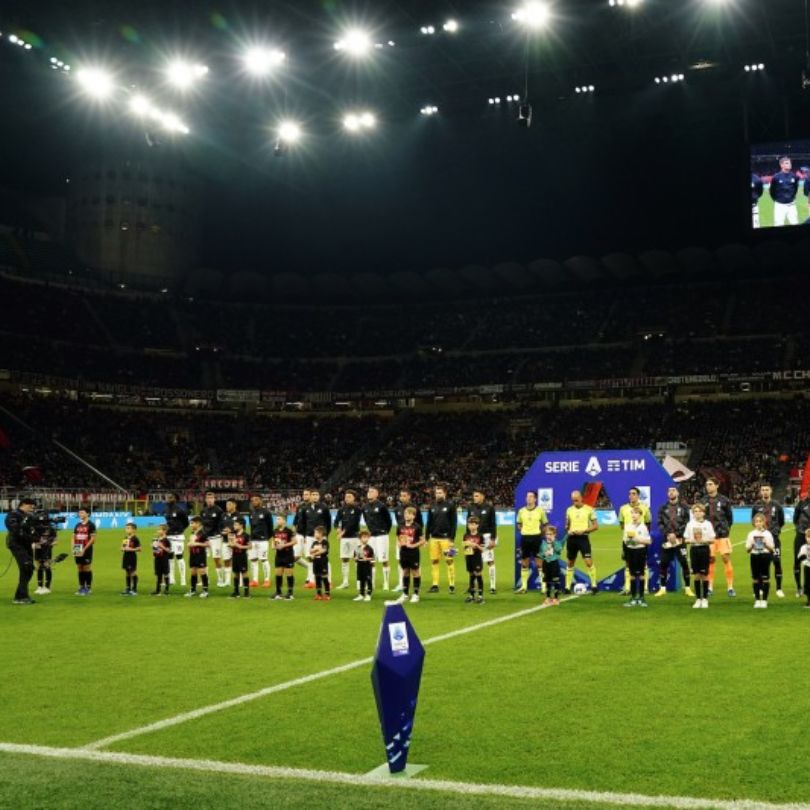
column 633, row 167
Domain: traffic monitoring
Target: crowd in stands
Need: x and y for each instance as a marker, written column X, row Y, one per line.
column 159, row 340
column 742, row 442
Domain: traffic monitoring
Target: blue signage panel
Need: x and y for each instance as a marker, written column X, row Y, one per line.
column 396, row 676
column 554, row 476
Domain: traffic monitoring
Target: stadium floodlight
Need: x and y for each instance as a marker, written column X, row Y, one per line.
column 12, row 38
column 140, row 105
column 532, row 15
column 355, row 122
column 451, row 26
column 430, row 109
column 96, row 82
column 184, row 74
column 289, row 131
column 355, row 42
column 260, row 61
column 171, row 123
column 428, row 30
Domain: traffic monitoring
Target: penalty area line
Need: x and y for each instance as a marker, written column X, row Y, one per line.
column 382, row 783
column 203, row 711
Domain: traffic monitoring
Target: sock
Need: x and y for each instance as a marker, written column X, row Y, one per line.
column 627, row 580
column 797, row 575
column 128, row 582
column 662, row 577
column 480, row 585
column 686, row 577
column 492, row 578
column 729, row 569
column 318, row 584
column 158, row 583
column 310, row 575
column 344, row 572
column 471, row 589
column 399, row 574
column 569, row 577
column 40, row 575
column 700, row 586
column 254, row 567
column 373, row 575
column 406, row 583
column 711, row 574
column 417, row 584
column 386, row 577
column 181, row 569
column 246, row 584
column 134, row 583
column 166, row 582
column 777, row 570
column 451, row 574
column 524, row 578
column 434, row 575
column 48, row 576
column 266, row 570
column 548, row 589
column 290, row 583
column 757, row 585
column 633, row 588
column 592, row 575
column 204, row 578
column 88, row 578
column 766, row 589
column 194, row 583
column 279, row 581
column 640, row 587
column 80, row 575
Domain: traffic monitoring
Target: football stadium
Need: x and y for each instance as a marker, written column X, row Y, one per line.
column 400, row 404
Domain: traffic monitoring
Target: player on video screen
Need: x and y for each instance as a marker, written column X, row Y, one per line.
column 756, row 193
column 784, row 187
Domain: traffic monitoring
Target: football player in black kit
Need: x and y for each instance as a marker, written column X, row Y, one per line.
column 774, row 521
column 177, row 523
column 783, row 189
column 298, row 526
column 440, row 534
column 485, row 512
column 378, row 521
column 672, row 519
column 211, row 517
column 261, row 530
column 316, row 514
column 347, row 524
column 405, row 500
column 239, row 543
column 229, row 518
column 801, row 523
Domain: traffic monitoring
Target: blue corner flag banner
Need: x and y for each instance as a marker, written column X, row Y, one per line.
column 396, row 676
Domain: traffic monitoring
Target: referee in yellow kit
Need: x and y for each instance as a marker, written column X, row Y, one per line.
column 531, row 520
column 580, row 523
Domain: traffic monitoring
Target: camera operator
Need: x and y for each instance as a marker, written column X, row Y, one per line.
column 19, row 541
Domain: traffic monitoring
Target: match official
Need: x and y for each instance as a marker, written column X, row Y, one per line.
column 19, row 543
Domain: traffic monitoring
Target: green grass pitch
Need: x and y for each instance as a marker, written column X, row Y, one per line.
column 711, row 704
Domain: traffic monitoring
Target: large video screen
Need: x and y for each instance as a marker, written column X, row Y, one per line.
column 780, row 184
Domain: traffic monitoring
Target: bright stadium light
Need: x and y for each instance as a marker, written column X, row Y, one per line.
column 355, row 42
column 183, row 74
column 289, row 132
column 532, row 15
column 355, row 122
column 430, row 109
column 260, row 61
column 171, row 123
column 451, row 26
column 96, row 82
column 140, row 105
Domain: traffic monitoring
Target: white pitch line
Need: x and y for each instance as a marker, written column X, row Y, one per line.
column 417, row 785
column 184, row 717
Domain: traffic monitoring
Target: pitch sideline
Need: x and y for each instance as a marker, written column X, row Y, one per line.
column 360, row 780
column 212, row 708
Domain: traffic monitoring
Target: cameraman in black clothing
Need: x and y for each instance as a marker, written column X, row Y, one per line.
column 19, row 541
